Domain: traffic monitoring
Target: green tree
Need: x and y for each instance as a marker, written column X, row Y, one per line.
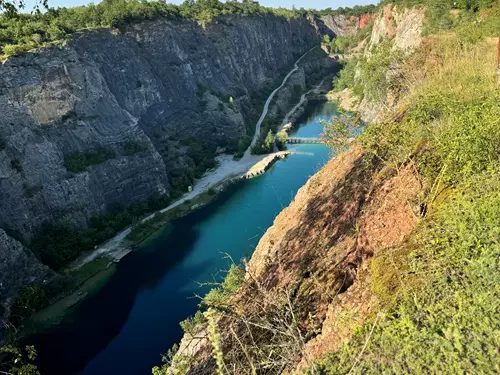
column 18, row 361
column 269, row 141
column 326, row 39
column 339, row 130
column 281, row 139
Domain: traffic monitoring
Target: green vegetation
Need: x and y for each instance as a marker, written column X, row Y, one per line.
column 18, row 361
column 439, row 290
column 219, row 297
column 346, row 79
column 266, row 147
column 58, row 244
column 238, row 147
column 80, row 161
column 132, row 148
column 16, row 165
column 355, row 11
column 281, row 139
column 439, row 15
column 22, row 32
column 190, row 324
column 37, row 296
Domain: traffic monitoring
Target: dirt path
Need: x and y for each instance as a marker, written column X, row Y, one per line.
column 268, row 102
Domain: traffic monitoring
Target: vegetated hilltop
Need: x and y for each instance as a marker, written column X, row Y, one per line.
column 112, row 110
column 387, row 260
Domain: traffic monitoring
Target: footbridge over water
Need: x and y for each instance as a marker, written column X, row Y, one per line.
column 294, row 140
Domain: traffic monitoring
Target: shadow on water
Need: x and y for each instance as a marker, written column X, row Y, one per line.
column 100, row 318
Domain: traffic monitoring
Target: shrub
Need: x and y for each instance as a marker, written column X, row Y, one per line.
column 17, row 49
column 218, row 297
column 80, row 161
column 131, row 148
column 31, row 191
column 58, row 243
column 281, row 139
column 191, row 323
column 29, row 301
column 16, row 165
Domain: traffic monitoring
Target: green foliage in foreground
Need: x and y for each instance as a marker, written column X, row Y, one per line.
column 440, row 291
column 219, row 296
column 190, row 324
column 18, row 361
column 449, row 325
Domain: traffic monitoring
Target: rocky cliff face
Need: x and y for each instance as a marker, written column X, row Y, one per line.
column 28, row 269
column 403, row 26
column 137, row 89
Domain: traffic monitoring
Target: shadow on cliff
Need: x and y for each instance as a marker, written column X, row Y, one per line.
column 325, row 242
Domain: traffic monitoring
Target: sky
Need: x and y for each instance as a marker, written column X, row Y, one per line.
column 315, row 4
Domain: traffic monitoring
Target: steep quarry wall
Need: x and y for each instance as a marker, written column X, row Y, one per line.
column 108, row 90
column 128, row 98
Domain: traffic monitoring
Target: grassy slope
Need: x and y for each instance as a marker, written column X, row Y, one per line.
column 440, row 291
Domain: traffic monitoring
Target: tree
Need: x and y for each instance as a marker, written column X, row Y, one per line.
column 338, row 46
column 269, row 141
column 325, row 39
column 11, row 7
column 19, row 362
column 281, row 139
column 339, row 130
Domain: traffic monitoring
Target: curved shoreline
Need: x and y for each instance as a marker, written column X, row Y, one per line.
column 116, row 249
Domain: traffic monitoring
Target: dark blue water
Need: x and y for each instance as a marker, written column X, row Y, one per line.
column 129, row 323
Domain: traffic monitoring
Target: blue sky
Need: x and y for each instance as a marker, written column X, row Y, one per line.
column 316, row 4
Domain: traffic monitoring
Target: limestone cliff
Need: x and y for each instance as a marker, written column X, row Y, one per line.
column 403, row 27
column 108, row 89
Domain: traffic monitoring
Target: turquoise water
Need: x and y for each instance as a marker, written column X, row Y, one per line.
column 309, row 124
column 130, row 322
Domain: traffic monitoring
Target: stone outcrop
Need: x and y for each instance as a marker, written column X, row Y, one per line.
column 403, row 26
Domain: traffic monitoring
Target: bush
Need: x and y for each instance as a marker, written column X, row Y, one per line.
column 17, row 49
column 281, row 139
column 80, row 161
column 31, row 191
column 191, row 323
column 219, row 297
column 131, row 148
column 346, row 79
column 16, row 165
column 29, row 301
